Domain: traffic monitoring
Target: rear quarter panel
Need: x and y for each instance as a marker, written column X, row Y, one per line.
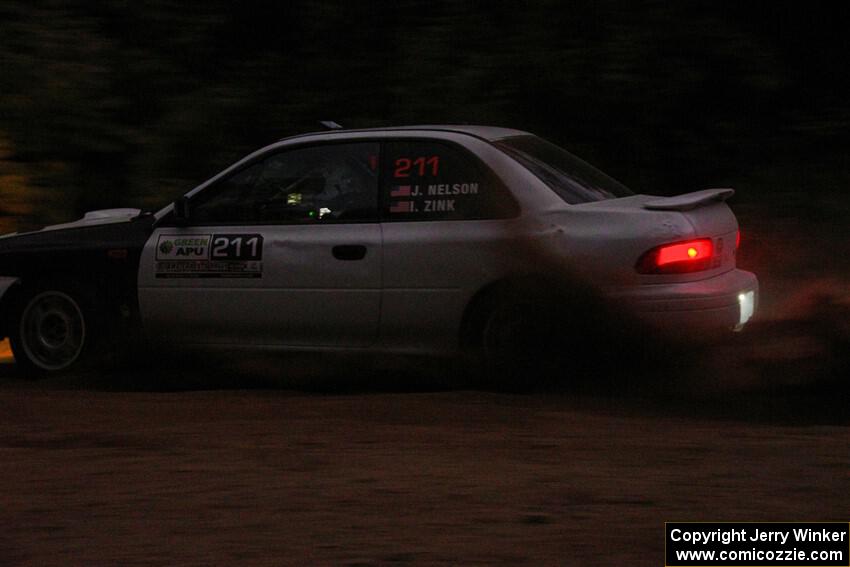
column 603, row 241
column 433, row 269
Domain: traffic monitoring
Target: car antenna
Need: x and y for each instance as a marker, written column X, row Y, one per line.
column 330, row 125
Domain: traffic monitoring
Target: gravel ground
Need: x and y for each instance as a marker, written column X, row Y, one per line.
column 95, row 474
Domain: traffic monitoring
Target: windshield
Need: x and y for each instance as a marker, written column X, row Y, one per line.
column 574, row 180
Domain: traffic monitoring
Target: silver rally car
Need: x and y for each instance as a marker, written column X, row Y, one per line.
column 421, row 239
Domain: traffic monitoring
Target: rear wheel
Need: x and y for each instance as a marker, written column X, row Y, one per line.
column 515, row 345
column 51, row 333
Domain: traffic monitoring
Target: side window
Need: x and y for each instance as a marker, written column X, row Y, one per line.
column 317, row 184
column 433, row 181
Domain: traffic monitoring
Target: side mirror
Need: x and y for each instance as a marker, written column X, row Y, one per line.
column 181, row 211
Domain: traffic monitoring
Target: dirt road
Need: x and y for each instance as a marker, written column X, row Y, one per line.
column 270, row 477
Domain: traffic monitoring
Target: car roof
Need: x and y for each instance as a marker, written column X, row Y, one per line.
column 489, row 133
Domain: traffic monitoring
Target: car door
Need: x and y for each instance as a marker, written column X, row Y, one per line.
column 286, row 250
column 447, row 232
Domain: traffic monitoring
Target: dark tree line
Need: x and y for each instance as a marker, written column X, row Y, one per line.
column 117, row 103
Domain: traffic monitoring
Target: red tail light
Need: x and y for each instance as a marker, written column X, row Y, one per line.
column 677, row 258
column 737, row 240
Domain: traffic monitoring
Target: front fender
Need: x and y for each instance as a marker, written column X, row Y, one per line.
column 5, row 285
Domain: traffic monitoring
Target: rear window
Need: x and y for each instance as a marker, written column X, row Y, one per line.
column 573, row 179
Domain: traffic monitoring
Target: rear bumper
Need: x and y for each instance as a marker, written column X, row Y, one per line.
column 726, row 301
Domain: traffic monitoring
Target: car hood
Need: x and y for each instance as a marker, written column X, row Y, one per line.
column 91, row 218
column 96, row 231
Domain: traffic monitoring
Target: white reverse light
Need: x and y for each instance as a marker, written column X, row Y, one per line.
column 746, row 304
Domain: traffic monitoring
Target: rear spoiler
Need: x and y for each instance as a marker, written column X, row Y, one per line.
column 689, row 201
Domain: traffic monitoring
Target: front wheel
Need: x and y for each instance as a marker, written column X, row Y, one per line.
column 51, row 334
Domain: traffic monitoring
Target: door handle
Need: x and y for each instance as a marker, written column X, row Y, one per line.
column 349, row 252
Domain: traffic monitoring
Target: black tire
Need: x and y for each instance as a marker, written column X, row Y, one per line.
column 51, row 330
column 515, row 345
